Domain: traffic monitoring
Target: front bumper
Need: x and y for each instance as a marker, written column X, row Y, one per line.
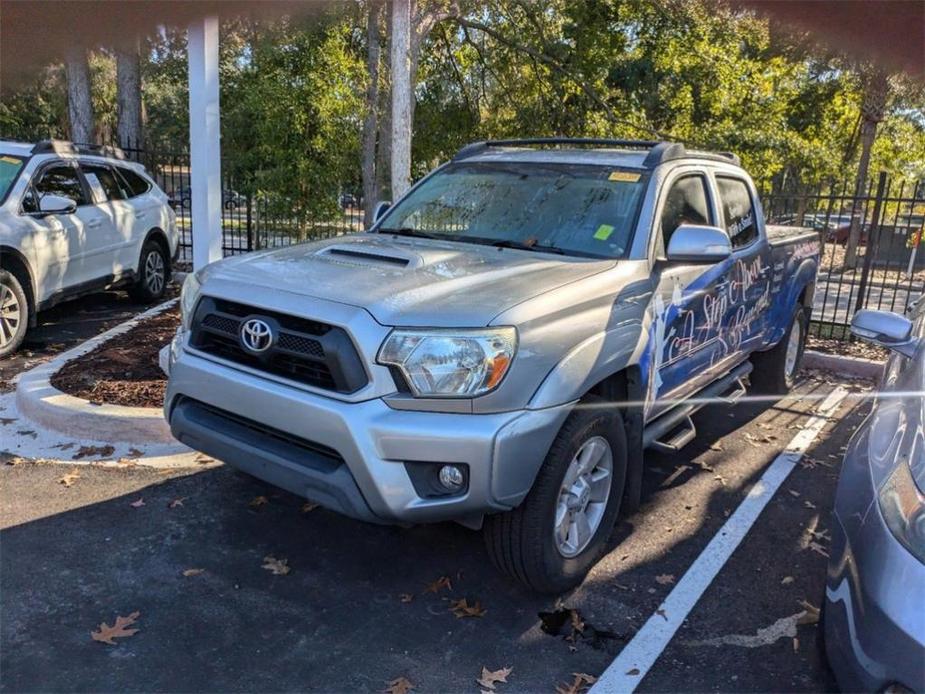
column 874, row 621
column 252, row 423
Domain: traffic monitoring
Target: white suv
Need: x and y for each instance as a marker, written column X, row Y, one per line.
column 74, row 220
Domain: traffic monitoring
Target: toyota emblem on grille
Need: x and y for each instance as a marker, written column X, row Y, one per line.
column 256, row 335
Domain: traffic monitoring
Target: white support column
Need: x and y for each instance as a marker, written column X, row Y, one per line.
column 204, row 140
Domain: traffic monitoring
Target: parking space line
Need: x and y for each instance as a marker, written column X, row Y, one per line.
column 626, row 672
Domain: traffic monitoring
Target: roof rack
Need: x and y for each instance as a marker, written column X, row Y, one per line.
column 66, row 147
column 660, row 151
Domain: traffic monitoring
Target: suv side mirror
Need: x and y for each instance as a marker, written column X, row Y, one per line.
column 693, row 243
column 886, row 329
column 56, row 204
column 380, row 210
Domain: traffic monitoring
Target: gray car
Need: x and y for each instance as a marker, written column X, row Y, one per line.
column 874, row 611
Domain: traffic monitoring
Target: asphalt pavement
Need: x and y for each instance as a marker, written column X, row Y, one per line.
column 187, row 552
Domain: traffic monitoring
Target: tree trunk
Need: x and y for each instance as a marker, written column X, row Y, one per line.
column 371, row 122
column 876, row 92
column 401, row 97
column 79, row 104
column 128, row 97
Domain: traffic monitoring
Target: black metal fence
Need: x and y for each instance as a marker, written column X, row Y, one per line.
column 250, row 220
column 885, row 218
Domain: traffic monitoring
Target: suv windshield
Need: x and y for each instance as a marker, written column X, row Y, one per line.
column 566, row 208
column 10, row 167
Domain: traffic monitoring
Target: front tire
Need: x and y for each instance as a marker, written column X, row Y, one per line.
column 776, row 370
column 14, row 314
column 153, row 273
column 551, row 541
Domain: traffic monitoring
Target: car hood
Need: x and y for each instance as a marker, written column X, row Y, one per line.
column 410, row 281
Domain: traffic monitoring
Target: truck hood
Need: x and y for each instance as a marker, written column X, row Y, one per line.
column 410, row 281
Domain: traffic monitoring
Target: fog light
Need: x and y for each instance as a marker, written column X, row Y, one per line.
column 451, row 477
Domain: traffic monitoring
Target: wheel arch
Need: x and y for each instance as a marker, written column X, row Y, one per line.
column 14, row 262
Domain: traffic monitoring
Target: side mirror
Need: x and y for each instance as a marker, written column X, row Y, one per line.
column 886, row 329
column 692, row 243
column 56, row 204
column 380, row 210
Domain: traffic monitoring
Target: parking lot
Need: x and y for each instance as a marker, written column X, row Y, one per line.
column 364, row 605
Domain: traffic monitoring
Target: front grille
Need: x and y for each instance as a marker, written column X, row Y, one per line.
column 306, row 351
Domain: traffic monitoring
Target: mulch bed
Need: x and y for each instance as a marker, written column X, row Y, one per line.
column 124, row 370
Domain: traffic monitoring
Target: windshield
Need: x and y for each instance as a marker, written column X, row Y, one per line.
column 574, row 209
column 10, row 167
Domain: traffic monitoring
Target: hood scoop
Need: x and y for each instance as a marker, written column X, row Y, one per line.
column 351, row 255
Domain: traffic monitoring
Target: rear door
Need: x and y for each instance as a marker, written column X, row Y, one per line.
column 687, row 305
column 115, row 243
column 748, row 283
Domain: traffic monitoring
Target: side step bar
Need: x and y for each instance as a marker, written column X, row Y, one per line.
column 674, row 429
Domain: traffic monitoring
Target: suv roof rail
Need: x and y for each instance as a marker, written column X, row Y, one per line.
column 659, row 150
column 66, row 147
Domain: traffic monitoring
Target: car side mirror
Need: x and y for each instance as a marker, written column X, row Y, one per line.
column 380, row 210
column 886, row 329
column 693, row 243
column 56, row 204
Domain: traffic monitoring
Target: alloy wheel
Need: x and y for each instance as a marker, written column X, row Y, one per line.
column 583, row 496
column 154, row 272
column 10, row 315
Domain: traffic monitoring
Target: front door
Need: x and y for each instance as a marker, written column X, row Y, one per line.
column 687, row 306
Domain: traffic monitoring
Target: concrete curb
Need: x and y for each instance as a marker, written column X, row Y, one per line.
column 41, row 402
column 854, row 367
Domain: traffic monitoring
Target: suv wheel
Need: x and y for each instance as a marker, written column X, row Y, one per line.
column 776, row 370
column 153, row 272
column 14, row 313
column 551, row 541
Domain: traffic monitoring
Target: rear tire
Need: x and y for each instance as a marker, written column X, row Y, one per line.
column 524, row 542
column 775, row 370
column 153, row 273
column 14, row 314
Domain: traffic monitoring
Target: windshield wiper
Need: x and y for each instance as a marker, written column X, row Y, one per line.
column 520, row 245
column 407, row 231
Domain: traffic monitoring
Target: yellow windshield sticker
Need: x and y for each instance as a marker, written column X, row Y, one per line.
column 603, row 232
column 624, row 176
column 9, row 160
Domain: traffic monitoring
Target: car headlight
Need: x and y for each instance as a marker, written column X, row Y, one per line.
column 451, row 363
column 902, row 505
column 189, row 295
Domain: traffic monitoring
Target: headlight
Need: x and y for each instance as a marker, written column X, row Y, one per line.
column 189, row 295
column 451, row 363
column 903, row 507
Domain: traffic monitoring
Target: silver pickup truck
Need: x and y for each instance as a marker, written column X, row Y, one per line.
column 501, row 346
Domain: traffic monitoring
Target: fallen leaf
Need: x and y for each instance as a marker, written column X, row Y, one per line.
column 720, row 479
column 400, row 685
column 15, row 460
column 634, row 671
column 442, row 582
column 138, row 504
column 808, row 504
column 460, row 608
column 308, row 506
column 579, row 684
column 716, row 447
column 490, row 678
column 177, row 502
column 87, row 451
column 193, row 572
column 810, row 613
column 794, row 493
column 818, row 549
column 7, row 420
column 665, row 579
column 796, row 644
column 69, row 479
column 279, row 567
column 258, row 501
column 787, row 580
column 134, row 453
column 662, row 614
column 406, row 597
column 107, row 633
column 28, row 432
